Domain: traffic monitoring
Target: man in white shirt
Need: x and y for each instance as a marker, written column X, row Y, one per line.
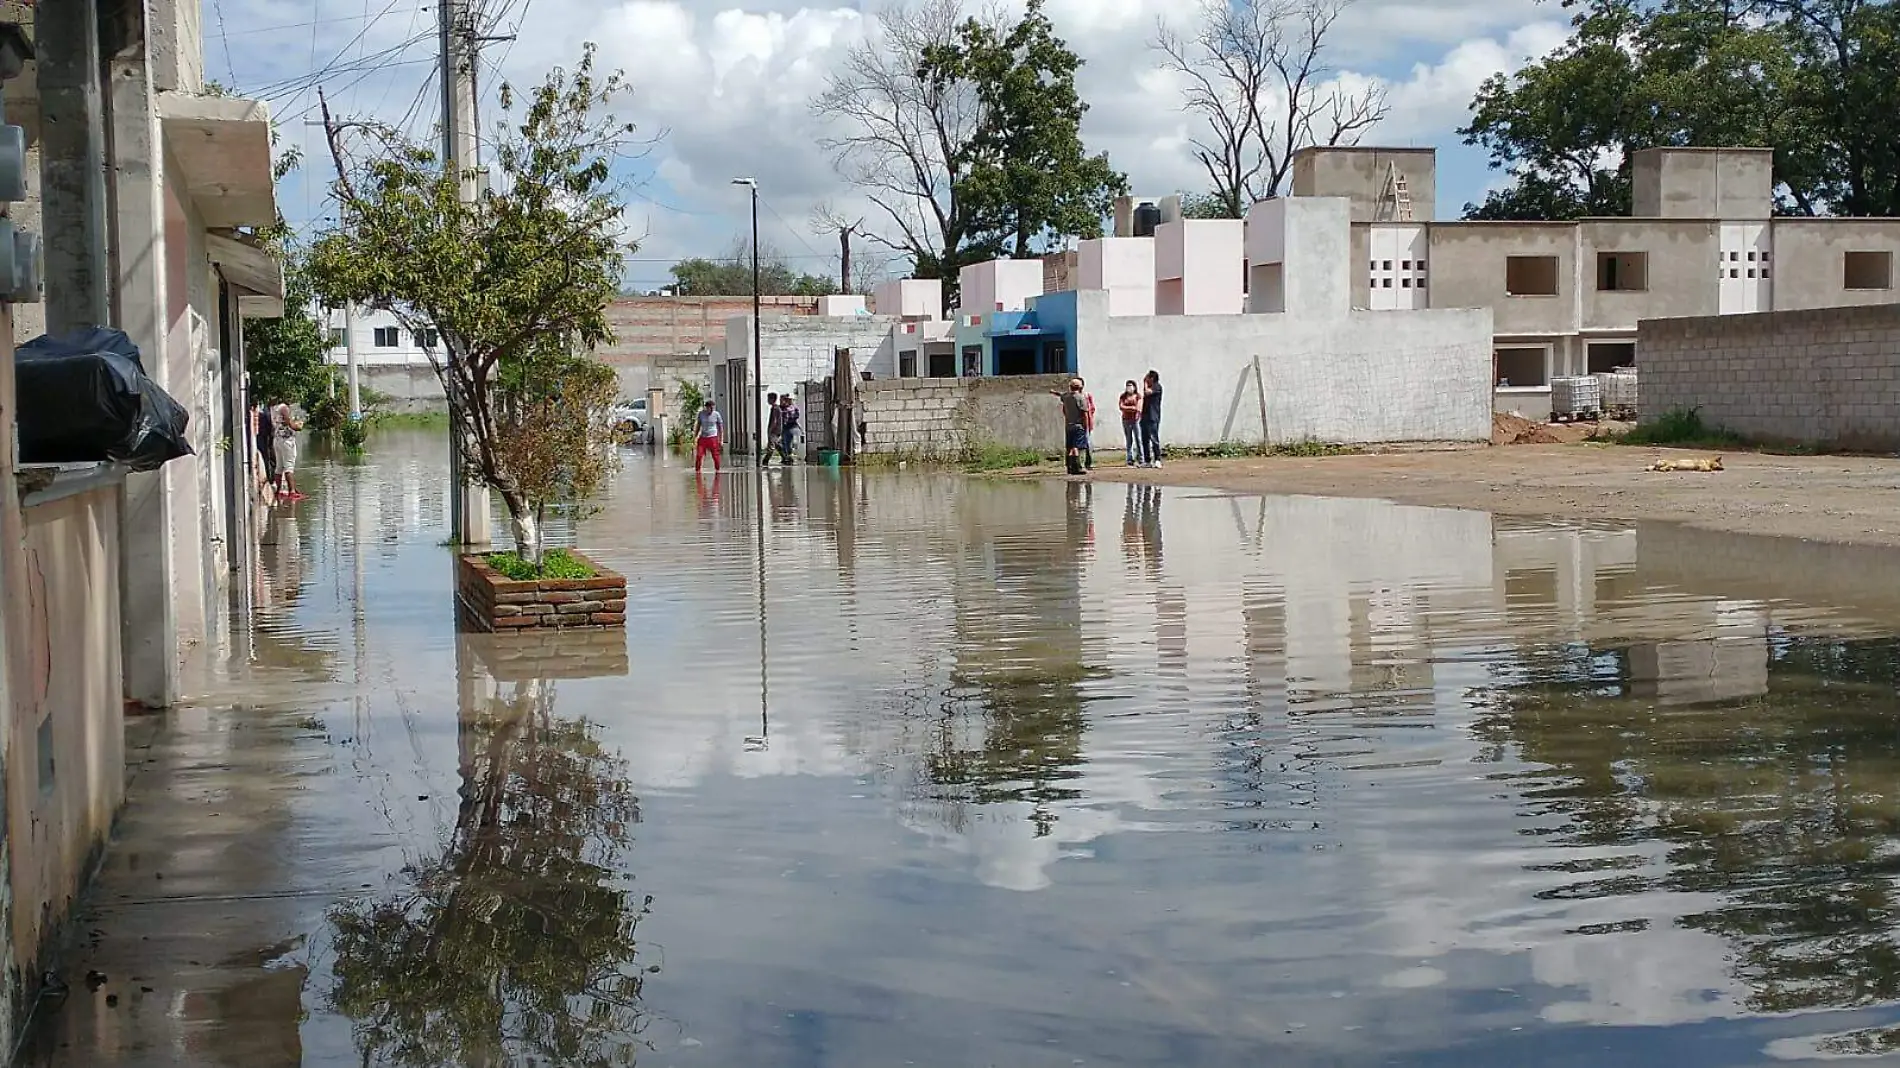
column 712, row 432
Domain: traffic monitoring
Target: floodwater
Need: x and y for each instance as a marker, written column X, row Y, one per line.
column 996, row 773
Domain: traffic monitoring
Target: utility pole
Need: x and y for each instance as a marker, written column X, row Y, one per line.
column 468, row 504
column 844, row 260
column 73, row 166
column 349, row 348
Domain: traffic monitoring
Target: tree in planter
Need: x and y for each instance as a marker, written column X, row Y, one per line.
column 556, row 439
column 512, row 281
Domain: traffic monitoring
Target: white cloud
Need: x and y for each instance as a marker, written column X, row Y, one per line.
column 729, row 82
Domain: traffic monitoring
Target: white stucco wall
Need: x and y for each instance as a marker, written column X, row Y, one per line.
column 1198, row 264
column 1360, row 378
column 998, row 285
column 1122, row 266
column 800, row 349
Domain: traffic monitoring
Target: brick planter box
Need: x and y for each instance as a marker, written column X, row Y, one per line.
column 487, row 600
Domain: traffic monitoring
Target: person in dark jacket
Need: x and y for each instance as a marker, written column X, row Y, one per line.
column 1151, row 419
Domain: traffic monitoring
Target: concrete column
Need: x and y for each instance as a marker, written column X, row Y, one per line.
column 72, row 165
column 146, row 582
column 12, row 600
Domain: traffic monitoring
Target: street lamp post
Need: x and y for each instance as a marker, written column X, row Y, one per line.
column 758, row 356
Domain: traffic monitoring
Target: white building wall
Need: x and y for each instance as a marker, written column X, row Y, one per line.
column 909, row 298
column 407, row 352
column 1397, row 268
column 802, row 348
column 1362, row 377
column 1124, row 268
column 1199, row 268
column 998, row 285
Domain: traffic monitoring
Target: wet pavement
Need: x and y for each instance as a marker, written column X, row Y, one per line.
column 979, row 772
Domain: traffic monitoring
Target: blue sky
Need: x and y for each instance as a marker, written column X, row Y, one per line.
column 725, row 84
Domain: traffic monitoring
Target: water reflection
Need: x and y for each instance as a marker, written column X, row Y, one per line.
column 957, row 771
column 516, row 943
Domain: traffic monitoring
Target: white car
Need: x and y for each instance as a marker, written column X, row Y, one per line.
column 630, row 417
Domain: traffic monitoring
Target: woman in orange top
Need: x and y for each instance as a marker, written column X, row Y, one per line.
column 1131, row 421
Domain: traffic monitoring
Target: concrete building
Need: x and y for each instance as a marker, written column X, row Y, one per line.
column 650, row 328
column 795, row 350
column 1702, row 239
column 391, row 359
column 110, row 582
column 1291, row 358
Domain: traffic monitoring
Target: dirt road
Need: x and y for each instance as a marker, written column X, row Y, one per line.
column 1845, row 500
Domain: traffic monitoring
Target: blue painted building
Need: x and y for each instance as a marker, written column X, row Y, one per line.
column 1039, row 341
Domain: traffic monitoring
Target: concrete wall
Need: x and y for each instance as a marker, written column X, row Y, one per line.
column 1124, row 267
column 1199, row 268
column 998, row 285
column 412, row 389
column 645, row 327
column 1681, row 268
column 909, row 298
column 1468, row 262
column 939, row 418
column 1829, row 375
column 66, row 741
column 1360, row 377
column 668, row 372
column 1703, row 183
column 1359, row 174
column 1810, row 261
column 799, row 349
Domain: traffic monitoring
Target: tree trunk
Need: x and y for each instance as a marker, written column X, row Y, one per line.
column 521, row 522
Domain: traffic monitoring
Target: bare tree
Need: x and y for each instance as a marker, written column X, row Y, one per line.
column 1256, row 73
column 898, row 134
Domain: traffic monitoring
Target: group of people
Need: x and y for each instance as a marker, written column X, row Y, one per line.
column 1141, row 423
column 274, row 428
column 782, row 426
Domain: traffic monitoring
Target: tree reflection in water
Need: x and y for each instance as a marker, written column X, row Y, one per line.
column 516, row 945
column 1782, row 805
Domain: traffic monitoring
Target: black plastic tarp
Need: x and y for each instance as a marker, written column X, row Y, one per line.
column 85, row 398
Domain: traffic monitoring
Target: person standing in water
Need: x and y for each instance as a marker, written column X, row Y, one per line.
column 1151, row 419
column 773, row 416
column 1130, row 405
column 712, row 432
column 287, row 425
column 788, row 419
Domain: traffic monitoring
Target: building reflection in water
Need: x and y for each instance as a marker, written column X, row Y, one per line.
column 515, row 944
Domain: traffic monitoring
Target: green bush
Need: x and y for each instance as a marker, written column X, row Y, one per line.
column 555, row 564
column 353, row 434
column 1680, row 426
column 990, row 456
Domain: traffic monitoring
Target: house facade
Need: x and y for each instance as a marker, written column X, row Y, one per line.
column 1702, row 239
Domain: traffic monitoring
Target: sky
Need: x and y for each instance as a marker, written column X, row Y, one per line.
column 723, row 88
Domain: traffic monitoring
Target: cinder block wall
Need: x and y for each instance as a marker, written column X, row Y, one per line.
column 1827, row 376
column 938, row 418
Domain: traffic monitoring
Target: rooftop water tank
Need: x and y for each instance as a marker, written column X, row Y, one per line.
column 1147, row 217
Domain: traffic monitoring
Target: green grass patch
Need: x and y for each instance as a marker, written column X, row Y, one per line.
column 555, row 564
column 990, row 456
column 1233, row 450
column 410, row 420
column 1684, row 427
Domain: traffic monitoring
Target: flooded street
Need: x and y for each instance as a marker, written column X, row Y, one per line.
column 970, row 772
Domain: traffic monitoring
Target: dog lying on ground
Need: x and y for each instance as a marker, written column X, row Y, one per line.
column 1704, row 464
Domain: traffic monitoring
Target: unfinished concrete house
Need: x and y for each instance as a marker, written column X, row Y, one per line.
column 1567, row 295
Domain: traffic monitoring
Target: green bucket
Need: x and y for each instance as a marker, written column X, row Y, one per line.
column 828, row 457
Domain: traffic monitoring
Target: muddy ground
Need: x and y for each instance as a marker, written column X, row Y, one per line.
column 1846, row 500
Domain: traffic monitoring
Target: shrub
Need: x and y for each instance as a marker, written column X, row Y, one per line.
column 555, row 564
column 1680, row 426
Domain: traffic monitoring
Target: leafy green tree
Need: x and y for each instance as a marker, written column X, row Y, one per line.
column 924, row 115
column 1811, row 79
column 523, row 270
column 731, row 276
column 1026, row 174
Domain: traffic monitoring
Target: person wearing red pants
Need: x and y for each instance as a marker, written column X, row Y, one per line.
column 712, row 433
